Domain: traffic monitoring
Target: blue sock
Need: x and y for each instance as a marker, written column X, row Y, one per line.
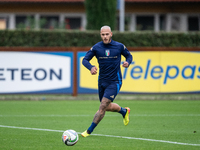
column 123, row 111
column 91, row 128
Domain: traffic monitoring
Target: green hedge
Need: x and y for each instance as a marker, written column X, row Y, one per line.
column 44, row 38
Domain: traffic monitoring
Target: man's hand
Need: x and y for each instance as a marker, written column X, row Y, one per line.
column 125, row 64
column 93, row 70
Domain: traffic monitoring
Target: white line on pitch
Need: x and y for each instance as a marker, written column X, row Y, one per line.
column 136, row 115
column 132, row 138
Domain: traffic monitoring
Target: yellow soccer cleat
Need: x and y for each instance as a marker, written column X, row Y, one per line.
column 126, row 117
column 85, row 134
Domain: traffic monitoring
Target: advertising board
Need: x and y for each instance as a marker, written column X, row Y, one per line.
column 36, row 72
column 151, row 72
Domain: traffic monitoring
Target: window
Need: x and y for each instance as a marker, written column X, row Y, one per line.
column 25, row 22
column 162, row 22
column 49, row 22
column 72, row 23
column 175, row 23
column 193, row 24
column 127, row 21
column 145, row 23
column 2, row 23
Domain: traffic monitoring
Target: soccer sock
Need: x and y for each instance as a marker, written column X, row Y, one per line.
column 91, row 128
column 123, row 111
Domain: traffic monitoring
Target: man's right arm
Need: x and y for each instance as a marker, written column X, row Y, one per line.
column 86, row 60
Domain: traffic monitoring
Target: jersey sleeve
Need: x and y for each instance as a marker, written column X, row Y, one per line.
column 127, row 54
column 86, row 60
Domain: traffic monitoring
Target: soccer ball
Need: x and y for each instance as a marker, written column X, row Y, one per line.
column 70, row 137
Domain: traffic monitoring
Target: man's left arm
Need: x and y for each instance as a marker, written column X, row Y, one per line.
column 128, row 56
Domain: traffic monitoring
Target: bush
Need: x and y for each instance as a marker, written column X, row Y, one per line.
column 59, row 38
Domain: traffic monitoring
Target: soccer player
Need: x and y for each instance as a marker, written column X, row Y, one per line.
column 108, row 53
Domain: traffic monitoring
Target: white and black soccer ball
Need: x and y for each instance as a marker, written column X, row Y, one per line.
column 70, row 137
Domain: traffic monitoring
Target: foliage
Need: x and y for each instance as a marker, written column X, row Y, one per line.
column 61, row 38
column 100, row 13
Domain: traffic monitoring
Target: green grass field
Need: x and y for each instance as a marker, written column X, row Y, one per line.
column 154, row 124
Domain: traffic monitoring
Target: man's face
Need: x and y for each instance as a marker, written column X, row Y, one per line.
column 106, row 35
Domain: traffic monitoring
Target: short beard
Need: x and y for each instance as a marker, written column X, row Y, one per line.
column 109, row 40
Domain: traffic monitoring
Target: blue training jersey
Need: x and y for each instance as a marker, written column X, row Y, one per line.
column 109, row 59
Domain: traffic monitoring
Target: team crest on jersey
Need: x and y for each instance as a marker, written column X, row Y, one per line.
column 107, row 52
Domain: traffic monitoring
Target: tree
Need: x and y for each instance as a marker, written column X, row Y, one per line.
column 100, row 13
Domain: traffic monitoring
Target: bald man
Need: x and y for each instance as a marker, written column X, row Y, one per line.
column 108, row 53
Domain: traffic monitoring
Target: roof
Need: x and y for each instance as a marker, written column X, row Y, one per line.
column 66, row 1
column 47, row 1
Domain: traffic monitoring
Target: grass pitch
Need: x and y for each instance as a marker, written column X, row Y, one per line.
column 154, row 125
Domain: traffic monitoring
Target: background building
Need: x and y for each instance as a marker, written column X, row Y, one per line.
column 140, row 15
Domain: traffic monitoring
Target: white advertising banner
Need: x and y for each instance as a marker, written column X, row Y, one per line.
column 36, row 72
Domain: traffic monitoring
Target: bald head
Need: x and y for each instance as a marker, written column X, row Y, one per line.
column 105, row 28
column 106, row 34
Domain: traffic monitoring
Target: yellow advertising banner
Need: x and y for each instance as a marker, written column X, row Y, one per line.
column 154, row 72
